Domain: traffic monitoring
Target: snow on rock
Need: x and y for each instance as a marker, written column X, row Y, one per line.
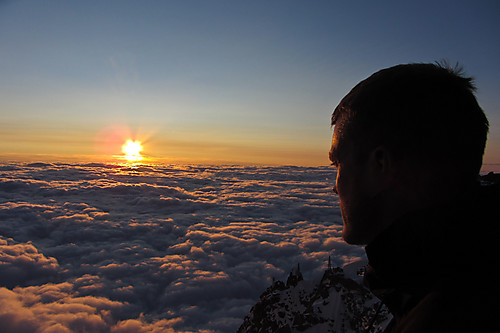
column 333, row 304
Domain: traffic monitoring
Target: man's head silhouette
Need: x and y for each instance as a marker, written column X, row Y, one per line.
column 406, row 138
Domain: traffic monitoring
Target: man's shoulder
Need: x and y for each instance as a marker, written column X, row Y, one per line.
column 451, row 308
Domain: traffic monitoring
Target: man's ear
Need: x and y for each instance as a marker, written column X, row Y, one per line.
column 381, row 169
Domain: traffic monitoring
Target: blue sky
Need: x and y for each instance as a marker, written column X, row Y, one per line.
column 219, row 80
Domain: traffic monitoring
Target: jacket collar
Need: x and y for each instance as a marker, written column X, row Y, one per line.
column 432, row 248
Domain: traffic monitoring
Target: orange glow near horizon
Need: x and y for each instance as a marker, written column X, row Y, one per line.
column 132, row 150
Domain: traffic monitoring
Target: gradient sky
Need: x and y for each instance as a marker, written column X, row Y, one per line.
column 218, row 81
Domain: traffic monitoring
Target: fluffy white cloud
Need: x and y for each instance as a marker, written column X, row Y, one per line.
column 22, row 263
column 156, row 248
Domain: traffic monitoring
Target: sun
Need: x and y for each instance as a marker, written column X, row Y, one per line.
column 132, row 150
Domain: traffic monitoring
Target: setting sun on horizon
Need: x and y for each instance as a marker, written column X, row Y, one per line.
column 132, row 151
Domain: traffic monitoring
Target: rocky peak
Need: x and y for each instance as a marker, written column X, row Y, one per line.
column 334, row 303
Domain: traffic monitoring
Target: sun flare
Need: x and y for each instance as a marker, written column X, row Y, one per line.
column 132, row 150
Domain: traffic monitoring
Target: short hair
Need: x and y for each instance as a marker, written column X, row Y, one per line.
column 418, row 110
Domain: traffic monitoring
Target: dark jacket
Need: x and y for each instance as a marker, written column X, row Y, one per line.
column 437, row 270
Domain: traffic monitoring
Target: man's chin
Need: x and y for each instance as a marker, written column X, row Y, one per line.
column 351, row 237
column 347, row 235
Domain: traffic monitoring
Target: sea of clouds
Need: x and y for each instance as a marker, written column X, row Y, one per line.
column 157, row 248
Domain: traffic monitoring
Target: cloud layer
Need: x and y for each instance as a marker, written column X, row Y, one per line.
column 114, row 248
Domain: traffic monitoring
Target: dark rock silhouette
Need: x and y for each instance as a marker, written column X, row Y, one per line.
column 490, row 178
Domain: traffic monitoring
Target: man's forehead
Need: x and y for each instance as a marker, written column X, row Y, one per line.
column 342, row 143
column 338, row 133
column 334, row 149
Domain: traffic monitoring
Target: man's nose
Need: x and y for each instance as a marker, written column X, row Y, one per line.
column 334, row 189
